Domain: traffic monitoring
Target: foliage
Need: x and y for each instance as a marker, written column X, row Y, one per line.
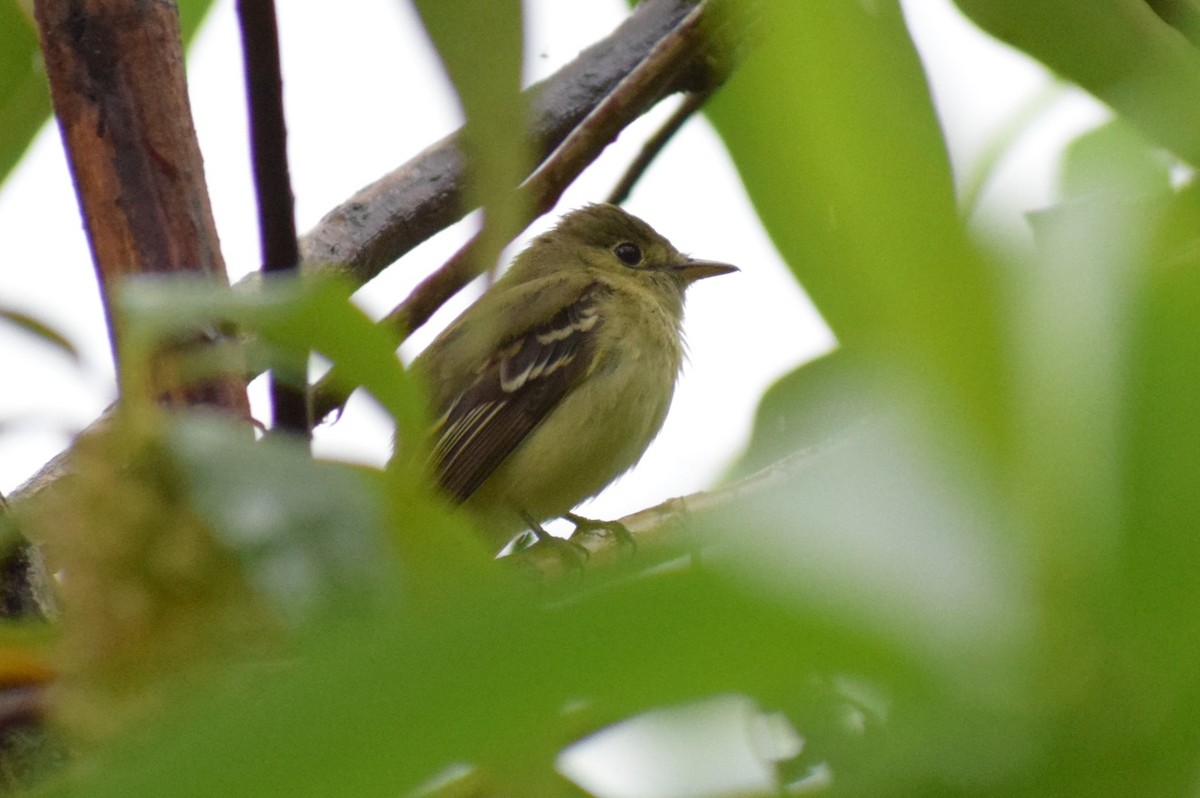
column 978, row 580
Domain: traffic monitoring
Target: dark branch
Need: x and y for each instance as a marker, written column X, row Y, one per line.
column 272, row 182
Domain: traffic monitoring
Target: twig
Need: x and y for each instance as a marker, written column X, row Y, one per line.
column 276, row 207
column 692, row 103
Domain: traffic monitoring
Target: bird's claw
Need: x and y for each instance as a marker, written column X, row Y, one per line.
column 615, row 529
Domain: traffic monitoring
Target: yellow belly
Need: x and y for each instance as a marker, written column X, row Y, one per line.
column 564, row 462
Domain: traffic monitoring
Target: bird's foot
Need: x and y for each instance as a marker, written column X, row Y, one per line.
column 614, row 529
column 570, row 554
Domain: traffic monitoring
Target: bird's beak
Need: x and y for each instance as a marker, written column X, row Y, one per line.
column 693, row 270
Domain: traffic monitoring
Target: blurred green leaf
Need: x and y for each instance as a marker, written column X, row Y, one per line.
column 24, row 96
column 1119, row 50
column 40, row 330
column 1071, row 322
column 833, row 132
column 297, row 315
column 480, row 44
column 901, row 540
column 806, row 410
column 308, row 533
column 1114, row 158
column 1104, row 320
column 486, row 680
column 1159, row 638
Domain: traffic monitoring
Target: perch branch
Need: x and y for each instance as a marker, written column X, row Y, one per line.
column 661, row 529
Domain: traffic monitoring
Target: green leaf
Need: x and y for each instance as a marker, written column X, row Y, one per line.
column 1114, row 158
column 298, row 316
column 1119, row 50
column 24, row 95
column 24, row 98
column 41, row 330
column 1159, row 636
column 308, row 534
column 294, row 317
column 807, row 410
column 486, row 679
column 896, row 535
column 1104, row 338
column 831, row 127
column 480, row 44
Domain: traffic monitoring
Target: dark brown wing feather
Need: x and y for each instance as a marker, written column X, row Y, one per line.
column 516, row 389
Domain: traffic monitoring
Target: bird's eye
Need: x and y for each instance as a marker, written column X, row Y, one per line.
column 629, row 253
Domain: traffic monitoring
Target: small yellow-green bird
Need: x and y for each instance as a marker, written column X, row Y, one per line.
column 557, row 379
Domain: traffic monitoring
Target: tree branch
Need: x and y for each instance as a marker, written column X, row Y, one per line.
column 661, row 530
column 272, row 182
column 117, row 82
column 386, row 219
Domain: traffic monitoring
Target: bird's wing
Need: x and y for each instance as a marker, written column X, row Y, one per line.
column 513, row 392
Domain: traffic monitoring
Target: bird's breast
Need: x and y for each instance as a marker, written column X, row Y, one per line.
column 601, row 428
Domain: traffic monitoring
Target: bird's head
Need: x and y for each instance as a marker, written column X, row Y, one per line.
column 606, row 239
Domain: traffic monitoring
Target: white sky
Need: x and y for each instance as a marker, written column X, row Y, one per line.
column 363, row 94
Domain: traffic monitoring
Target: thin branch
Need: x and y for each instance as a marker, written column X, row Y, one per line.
column 272, row 182
column 692, row 103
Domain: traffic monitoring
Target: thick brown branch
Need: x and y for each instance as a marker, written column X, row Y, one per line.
column 117, row 82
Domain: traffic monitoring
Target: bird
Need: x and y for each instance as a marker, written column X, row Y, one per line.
column 557, row 379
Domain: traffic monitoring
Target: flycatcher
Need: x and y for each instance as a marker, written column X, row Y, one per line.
column 557, row 379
